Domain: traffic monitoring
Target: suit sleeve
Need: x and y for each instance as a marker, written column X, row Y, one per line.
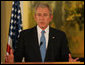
column 18, row 53
column 64, row 48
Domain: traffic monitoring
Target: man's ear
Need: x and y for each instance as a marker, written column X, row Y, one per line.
column 35, row 17
column 51, row 17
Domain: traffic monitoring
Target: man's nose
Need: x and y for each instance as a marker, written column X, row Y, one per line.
column 42, row 17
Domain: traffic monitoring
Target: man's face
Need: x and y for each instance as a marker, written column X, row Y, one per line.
column 43, row 17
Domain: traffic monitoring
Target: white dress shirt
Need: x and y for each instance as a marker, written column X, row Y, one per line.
column 39, row 30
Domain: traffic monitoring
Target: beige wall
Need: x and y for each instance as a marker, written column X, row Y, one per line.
column 6, row 7
column 5, row 19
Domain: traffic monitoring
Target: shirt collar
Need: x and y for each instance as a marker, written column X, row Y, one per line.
column 39, row 29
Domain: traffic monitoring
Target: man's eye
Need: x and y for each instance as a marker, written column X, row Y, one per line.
column 45, row 14
column 39, row 14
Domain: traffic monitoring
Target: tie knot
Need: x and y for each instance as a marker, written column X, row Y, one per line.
column 43, row 32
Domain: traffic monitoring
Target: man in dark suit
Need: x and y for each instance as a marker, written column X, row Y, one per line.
column 42, row 43
column 29, row 47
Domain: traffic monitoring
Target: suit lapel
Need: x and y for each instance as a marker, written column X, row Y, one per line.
column 36, row 45
column 50, row 52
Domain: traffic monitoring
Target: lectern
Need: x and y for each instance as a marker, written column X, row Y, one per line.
column 45, row 63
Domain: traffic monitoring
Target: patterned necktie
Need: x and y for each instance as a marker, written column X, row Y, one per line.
column 43, row 46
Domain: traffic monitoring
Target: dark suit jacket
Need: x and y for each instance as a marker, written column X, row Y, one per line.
column 29, row 48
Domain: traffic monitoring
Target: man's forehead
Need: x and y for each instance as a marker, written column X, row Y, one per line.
column 41, row 9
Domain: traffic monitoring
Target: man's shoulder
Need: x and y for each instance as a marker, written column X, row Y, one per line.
column 57, row 31
column 30, row 30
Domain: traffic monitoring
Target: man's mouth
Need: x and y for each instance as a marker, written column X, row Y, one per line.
column 42, row 23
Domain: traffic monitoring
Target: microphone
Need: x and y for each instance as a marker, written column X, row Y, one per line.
column 41, row 43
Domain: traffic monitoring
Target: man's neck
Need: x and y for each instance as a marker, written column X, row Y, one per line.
column 43, row 28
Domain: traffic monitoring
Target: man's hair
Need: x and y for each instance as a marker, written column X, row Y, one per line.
column 43, row 5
